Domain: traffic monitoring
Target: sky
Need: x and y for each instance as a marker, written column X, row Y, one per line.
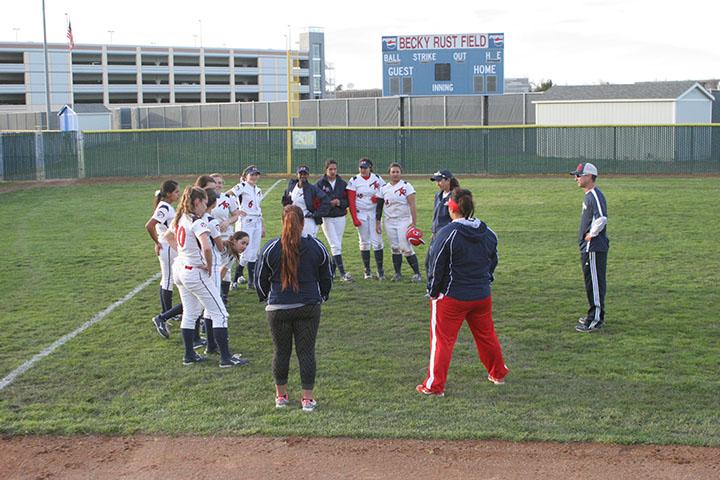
column 576, row 42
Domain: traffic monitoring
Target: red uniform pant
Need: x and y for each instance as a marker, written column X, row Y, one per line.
column 446, row 318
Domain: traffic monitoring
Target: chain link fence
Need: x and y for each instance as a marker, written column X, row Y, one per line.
column 466, row 150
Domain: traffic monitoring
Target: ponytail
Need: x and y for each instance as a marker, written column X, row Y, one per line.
column 290, row 242
column 185, row 206
column 464, row 201
column 167, row 187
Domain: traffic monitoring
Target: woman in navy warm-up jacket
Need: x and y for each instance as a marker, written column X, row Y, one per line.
column 463, row 257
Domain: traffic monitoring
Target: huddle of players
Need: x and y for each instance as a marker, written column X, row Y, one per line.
column 368, row 197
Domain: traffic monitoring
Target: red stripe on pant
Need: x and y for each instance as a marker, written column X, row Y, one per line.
column 446, row 318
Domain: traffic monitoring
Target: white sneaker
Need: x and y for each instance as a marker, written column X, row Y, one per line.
column 417, row 278
column 368, row 276
column 309, row 405
column 346, row 278
column 281, row 401
column 241, row 280
column 233, row 286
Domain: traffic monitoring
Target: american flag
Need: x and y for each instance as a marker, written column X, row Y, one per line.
column 69, row 35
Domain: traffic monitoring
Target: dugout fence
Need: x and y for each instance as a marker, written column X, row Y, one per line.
column 684, row 149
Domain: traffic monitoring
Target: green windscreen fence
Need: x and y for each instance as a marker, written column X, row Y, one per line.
column 688, row 149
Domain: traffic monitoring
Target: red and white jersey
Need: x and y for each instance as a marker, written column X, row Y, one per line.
column 395, row 197
column 364, row 189
column 251, row 197
column 187, row 234
column 226, row 205
column 164, row 214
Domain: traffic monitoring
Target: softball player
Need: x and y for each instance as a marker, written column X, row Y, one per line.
column 309, row 198
column 227, row 212
column 157, row 226
column 362, row 197
column 193, row 275
column 333, row 225
column 251, row 221
column 398, row 202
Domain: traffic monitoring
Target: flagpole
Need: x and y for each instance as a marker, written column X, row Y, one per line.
column 70, row 49
column 47, row 70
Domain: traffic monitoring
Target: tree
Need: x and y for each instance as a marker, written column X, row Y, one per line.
column 543, row 86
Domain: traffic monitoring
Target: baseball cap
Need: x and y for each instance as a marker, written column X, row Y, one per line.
column 365, row 163
column 252, row 171
column 441, row 174
column 303, row 169
column 585, row 169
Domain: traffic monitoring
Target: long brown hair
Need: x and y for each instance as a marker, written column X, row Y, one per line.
column 290, row 242
column 185, row 205
column 234, row 238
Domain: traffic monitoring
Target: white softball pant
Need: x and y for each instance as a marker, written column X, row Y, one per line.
column 366, row 232
column 396, row 231
column 334, row 228
column 198, row 293
column 310, row 227
column 215, row 286
column 166, row 257
column 252, row 225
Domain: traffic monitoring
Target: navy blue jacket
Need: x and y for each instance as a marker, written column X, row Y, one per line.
column 319, row 204
column 339, row 192
column 441, row 214
column 463, row 257
column 314, row 274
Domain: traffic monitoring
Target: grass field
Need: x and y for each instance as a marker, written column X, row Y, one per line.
column 651, row 376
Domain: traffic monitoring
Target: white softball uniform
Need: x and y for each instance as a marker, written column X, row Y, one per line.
column 164, row 214
column 214, row 230
column 251, row 198
column 197, row 291
column 334, row 228
column 225, row 207
column 365, row 189
column 397, row 216
column 298, row 199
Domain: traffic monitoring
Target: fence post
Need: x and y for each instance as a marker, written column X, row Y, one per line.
column 80, row 145
column 39, row 156
column 2, row 163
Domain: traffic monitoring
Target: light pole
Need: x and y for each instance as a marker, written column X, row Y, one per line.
column 16, row 33
column 111, row 34
column 47, row 68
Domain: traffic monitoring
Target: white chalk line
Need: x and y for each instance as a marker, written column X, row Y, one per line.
column 10, row 378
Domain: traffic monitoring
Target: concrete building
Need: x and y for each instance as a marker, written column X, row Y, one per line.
column 136, row 75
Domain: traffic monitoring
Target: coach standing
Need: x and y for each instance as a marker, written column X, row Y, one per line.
column 594, row 245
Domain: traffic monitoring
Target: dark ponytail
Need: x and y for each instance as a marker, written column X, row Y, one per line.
column 167, row 187
column 464, row 200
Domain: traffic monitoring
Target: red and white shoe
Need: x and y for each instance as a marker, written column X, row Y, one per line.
column 281, row 401
column 496, row 381
column 421, row 389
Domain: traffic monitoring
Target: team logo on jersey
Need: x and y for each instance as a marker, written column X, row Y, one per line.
column 375, row 185
column 225, row 205
column 401, row 191
column 161, row 214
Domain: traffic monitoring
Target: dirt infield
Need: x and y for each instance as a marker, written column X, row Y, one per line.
column 145, row 457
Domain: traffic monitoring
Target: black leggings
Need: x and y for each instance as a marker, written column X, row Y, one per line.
column 301, row 323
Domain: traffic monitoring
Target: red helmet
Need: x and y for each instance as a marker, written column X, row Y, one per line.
column 414, row 236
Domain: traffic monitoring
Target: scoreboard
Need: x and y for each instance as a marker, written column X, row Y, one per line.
column 455, row 64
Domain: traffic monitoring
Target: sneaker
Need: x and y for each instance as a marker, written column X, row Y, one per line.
column 199, row 343
column 281, row 401
column 241, row 280
column 346, row 278
column 368, row 275
column 396, row 278
column 589, row 327
column 233, row 286
column 583, row 320
column 161, row 327
column 381, row 276
column 196, row 359
column 421, row 389
column 234, row 361
column 309, row 405
column 417, row 278
column 496, row 381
